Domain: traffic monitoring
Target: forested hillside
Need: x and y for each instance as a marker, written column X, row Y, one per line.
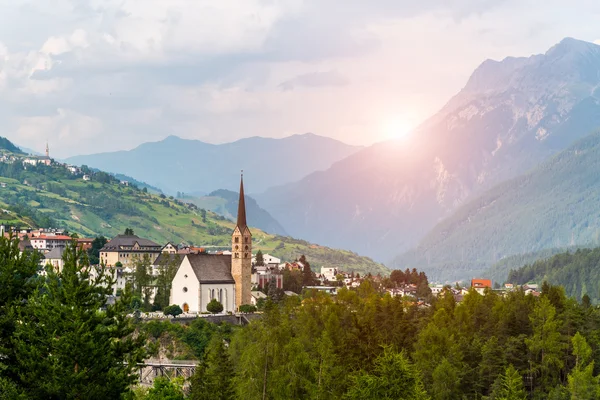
column 578, row 272
column 555, row 205
column 51, row 196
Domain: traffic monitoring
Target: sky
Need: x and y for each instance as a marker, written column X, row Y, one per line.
column 90, row 76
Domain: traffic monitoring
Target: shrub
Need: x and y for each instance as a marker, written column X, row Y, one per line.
column 247, row 308
column 214, row 306
column 173, row 310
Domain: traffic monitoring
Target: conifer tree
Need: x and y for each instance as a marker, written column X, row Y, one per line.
column 213, row 377
column 510, row 386
column 582, row 382
column 70, row 343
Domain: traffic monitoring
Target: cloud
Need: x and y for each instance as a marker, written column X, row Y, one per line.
column 315, row 80
column 75, row 71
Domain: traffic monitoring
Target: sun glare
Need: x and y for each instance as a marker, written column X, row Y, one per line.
column 396, row 128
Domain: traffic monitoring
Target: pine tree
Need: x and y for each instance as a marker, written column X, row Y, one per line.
column 582, row 382
column 17, row 281
column 393, row 377
column 260, row 261
column 213, row 377
column 70, row 343
column 510, row 386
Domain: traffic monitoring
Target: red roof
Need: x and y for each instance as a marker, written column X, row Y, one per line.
column 55, row 237
column 481, row 283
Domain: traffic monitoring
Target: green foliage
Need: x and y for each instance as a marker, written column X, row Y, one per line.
column 510, row 386
column 214, row 306
column 247, row 308
column 214, row 376
column 393, row 377
column 577, row 272
column 259, row 258
column 164, row 389
column 173, row 310
column 70, row 342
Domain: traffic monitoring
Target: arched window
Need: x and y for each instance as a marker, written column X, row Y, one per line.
column 237, row 239
column 237, row 255
column 246, row 239
column 221, row 296
column 213, row 294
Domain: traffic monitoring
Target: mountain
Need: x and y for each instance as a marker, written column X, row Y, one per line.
column 8, row 146
column 553, row 206
column 51, row 196
column 225, row 202
column 180, row 165
column 510, row 116
column 576, row 271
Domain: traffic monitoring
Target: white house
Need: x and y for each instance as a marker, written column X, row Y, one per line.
column 329, row 273
column 201, row 278
column 268, row 259
column 54, row 258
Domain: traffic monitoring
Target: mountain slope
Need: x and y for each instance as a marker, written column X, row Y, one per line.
column 225, row 203
column 552, row 206
column 510, row 116
column 190, row 166
column 577, row 272
column 51, row 196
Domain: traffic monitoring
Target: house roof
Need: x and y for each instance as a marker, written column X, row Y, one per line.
column 481, row 283
column 211, row 268
column 125, row 241
column 52, row 237
column 165, row 258
column 55, row 254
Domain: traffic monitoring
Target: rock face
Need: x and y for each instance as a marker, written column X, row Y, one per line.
column 511, row 115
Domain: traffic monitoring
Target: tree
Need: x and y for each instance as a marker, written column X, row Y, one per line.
column 582, row 383
column 17, row 281
column 214, row 306
column 545, row 345
column 393, row 377
column 142, row 279
column 128, row 232
column 165, row 389
column 509, row 386
column 173, row 310
column 203, row 214
column 72, row 344
column 167, row 269
column 307, row 276
column 213, row 377
column 247, row 308
column 260, row 261
column 94, row 251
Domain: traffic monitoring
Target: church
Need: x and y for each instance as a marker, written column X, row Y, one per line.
column 203, row 277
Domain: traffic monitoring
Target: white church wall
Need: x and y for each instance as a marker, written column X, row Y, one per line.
column 223, row 292
column 186, row 288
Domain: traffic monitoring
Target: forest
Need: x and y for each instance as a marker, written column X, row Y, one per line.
column 577, row 271
column 59, row 339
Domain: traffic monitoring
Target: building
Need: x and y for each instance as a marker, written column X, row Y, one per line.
column 262, row 280
column 481, row 284
column 54, row 258
column 202, row 277
column 50, row 241
column 267, row 259
column 126, row 249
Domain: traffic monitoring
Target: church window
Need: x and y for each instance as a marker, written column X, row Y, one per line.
column 221, row 296
column 246, row 247
column 185, row 276
column 245, row 255
column 212, row 294
column 246, row 239
column 184, row 290
column 237, row 255
column 237, row 239
column 237, row 247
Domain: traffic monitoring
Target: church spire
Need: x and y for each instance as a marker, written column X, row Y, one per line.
column 47, row 150
column 241, row 217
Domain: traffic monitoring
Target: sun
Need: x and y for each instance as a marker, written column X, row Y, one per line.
column 396, row 128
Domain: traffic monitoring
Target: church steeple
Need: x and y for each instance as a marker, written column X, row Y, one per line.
column 241, row 217
column 47, row 150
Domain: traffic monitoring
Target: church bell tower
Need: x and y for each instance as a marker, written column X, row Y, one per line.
column 241, row 253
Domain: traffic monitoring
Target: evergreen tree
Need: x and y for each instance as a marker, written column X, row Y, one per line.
column 307, row 275
column 18, row 274
column 164, row 389
column 260, row 261
column 393, row 377
column 70, row 343
column 510, row 386
column 582, row 383
column 213, row 377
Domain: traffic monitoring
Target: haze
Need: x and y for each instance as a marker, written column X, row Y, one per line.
column 90, row 76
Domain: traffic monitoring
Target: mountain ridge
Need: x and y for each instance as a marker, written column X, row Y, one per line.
column 382, row 204
column 188, row 165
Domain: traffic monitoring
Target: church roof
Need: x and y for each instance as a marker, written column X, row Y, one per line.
column 211, row 268
column 166, row 258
